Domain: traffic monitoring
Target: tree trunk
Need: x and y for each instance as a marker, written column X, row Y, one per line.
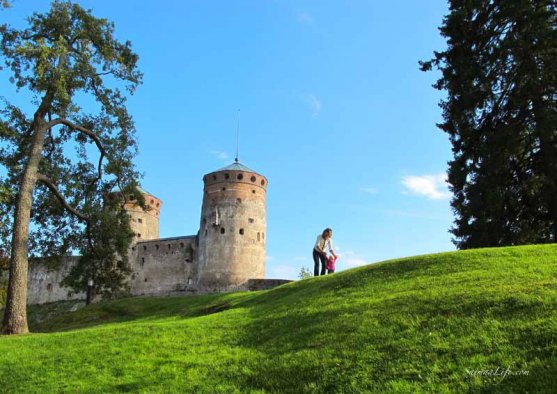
column 15, row 314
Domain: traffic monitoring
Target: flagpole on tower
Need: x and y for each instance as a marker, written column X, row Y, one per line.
column 238, row 138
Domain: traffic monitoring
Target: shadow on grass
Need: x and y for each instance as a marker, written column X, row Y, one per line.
column 136, row 309
column 312, row 337
column 536, row 378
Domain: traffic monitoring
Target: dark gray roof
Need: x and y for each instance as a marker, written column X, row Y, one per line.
column 168, row 239
column 236, row 166
column 116, row 189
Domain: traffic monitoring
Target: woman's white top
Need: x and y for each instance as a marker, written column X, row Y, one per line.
column 321, row 244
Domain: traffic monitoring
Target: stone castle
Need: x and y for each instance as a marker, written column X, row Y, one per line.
column 227, row 254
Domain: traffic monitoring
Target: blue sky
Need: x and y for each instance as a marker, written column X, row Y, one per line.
column 334, row 112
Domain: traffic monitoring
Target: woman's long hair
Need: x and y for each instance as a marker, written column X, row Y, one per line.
column 327, row 230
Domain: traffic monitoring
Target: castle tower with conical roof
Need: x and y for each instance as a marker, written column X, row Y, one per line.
column 232, row 229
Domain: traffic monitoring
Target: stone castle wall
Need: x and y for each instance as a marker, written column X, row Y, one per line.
column 159, row 267
column 163, row 266
column 44, row 283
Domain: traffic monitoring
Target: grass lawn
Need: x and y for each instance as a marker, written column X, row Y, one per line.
column 434, row 323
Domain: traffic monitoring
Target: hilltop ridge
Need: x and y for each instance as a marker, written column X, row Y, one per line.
column 444, row 322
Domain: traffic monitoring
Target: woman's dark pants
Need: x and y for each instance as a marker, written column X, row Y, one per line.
column 316, row 257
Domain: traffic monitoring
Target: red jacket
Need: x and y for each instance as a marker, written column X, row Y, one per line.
column 331, row 262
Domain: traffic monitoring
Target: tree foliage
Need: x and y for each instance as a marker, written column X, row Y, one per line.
column 66, row 155
column 500, row 75
column 105, row 261
column 304, row 273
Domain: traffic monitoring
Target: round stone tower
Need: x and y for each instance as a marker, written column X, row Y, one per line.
column 144, row 223
column 232, row 229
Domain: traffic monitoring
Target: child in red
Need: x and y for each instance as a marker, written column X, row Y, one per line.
column 331, row 264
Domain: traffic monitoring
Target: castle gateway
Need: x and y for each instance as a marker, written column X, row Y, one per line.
column 227, row 254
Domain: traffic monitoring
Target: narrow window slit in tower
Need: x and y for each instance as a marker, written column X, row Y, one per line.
column 139, row 220
column 222, row 230
column 144, row 247
column 250, row 220
column 258, row 237
column 241, row 231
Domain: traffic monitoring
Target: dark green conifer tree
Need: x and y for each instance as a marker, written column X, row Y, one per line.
column 499, row 71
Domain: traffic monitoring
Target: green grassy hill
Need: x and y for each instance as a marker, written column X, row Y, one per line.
column 434, row 323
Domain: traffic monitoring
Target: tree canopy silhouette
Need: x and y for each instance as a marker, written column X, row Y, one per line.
column 500, row 75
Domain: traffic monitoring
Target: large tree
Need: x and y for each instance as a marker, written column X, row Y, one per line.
column 499, row 71
column 73, row 70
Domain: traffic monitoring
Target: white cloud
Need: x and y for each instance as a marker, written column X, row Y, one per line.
column 352, row 262
column 305, row 18
column 312, row 103
column 219, row 154
column 282, row 272
column 433, row 187
column 349, row 260
column 370, row 190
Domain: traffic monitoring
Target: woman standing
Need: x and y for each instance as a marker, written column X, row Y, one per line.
column 324, row 241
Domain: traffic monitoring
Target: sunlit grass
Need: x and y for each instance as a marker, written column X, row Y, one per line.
column 419, row 324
